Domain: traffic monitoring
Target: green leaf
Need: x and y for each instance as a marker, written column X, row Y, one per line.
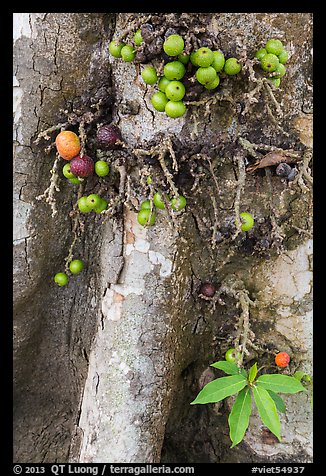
column 244, row 372
column 298, row 375
column 230, row 368
column 280, row 405
column 267, row 410
column 227, row 367
column 239, row 416
column 253, row 372
column 220, row 388
column 280, row 383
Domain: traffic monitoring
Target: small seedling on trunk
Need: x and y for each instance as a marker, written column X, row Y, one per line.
column 264, row 391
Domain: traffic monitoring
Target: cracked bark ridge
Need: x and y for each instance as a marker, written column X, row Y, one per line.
column 53, row 329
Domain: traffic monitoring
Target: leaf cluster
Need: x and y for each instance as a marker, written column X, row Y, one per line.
column 262, row 391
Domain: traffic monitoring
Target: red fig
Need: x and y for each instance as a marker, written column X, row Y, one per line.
column 82, row 166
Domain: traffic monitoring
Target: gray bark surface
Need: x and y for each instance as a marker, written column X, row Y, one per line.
column 105, row 368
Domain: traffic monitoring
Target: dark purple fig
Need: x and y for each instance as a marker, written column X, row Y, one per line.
column 207, row 290
column 108, row 135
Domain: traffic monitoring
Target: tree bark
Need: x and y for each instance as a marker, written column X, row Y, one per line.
column 106, row 367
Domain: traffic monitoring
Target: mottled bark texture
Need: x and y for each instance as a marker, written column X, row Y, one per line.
column 105, row 368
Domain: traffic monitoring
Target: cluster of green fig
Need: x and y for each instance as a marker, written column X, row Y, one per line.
column 75, row 267
column 272, row 58
column 207, row 60
column 92, row 202
column 85, row 204
column 171, row 90
column 146, row 218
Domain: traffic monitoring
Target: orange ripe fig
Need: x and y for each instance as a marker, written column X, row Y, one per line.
column 68, row 144
column 282, row 359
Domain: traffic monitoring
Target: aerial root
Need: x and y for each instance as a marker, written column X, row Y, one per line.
column 49, row 194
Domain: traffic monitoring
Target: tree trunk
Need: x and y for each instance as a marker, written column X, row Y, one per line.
column 105, row 368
